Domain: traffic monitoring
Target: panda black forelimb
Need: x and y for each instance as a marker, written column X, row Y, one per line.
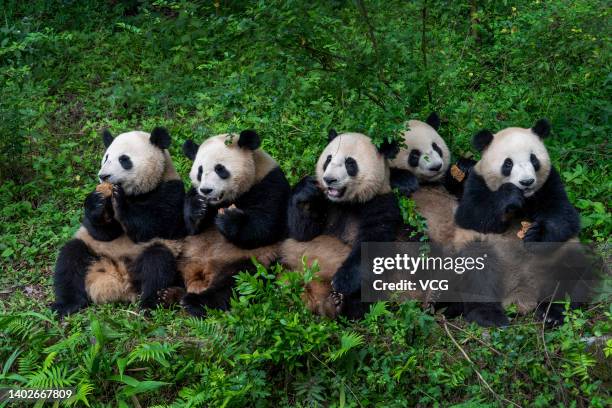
column 555, row 218
column 483, row 210
column 99, row 220
column 198, row 215
column 306, row 214
column 452, row 184
column 380, row 219
column 260, row 215
column 156, row 214
column 404, row 181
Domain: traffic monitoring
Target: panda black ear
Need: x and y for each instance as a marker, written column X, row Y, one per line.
column 331, row 135
column 249, row 139
column 190, row 149
column 160, row 138
column 389, row 149
column 482, row 139
column 433, row 120
column 541, row 128
column 107, row 137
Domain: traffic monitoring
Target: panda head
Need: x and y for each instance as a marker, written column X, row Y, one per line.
column 426, row 154
column 353, row 169
column 224, row 166
column 514, row 155
column 136, row 160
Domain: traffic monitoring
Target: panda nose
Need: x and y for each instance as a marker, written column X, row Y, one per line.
column 527, row 182
column 436, row 168
column 329, row 180
column 206, row 191
column 104, row 177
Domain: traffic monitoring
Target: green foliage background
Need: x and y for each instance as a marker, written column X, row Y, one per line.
column 291, row 70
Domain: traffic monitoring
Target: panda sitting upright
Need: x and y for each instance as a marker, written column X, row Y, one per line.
column 130, row 236
column 514, row 193
column 349, row 202
column 425, row 160
column 235, row 210
column 514, row 179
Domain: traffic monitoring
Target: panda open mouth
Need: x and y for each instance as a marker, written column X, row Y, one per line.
column 335, row 192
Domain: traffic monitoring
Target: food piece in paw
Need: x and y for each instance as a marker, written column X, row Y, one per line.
column 524, row 227
column 105, row 188
column 457, row 173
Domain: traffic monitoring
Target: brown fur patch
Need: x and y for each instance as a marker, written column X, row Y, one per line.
column 108, row 281
column 330, row 253
column 209, row 255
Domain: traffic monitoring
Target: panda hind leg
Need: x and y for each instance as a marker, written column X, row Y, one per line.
column 219, row 292
column 69, row 278
column 154, row 270
column 486, row 314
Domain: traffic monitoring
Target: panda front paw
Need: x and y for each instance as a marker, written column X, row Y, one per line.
column 306, row 191
column 230, row 222
column 511, row 198
column 192, row 305
column 118, row 197
column 487, row 315
column 535, row 233
column 95, row 207
column 551, row 314
column 65, row 309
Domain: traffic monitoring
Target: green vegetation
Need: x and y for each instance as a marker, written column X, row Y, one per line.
column 291, row 70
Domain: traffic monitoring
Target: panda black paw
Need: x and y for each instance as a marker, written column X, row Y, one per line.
column 65, row 309
column 306, row 191
column 535, row 233
column 346, row 281
column 230, row 222
column 95, row 205
column 511, row 198
column 118, row 196
column 487, row 315
column 337, row 300
column 192, row 305
column 551, row 316
column 169, row 297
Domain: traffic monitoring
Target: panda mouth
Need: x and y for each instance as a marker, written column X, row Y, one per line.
column 335, row 192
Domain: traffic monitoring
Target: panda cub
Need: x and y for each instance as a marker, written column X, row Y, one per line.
column 514, row 179
column 349, row 202
column 425, row 160
column 236, row 210
column 130, row 235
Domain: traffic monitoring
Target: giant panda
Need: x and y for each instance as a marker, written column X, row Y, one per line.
column 348, row 202
column 235, row 210
column 131, row 232
column 425, row 161
column 513, row 184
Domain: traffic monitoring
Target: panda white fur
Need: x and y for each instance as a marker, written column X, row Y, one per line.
column 235, row 210
column 513, row 182
column 349, row 202
column 425, row 161
column 130, row 235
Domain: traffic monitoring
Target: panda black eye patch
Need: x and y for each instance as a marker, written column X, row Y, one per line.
column 125, row 162
column 222, row 171
column 413, row 157
column 437, row 149
column 326, row 162
column 200, row 170
column 351, row 166
column 507, row 167
column 535, row 162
